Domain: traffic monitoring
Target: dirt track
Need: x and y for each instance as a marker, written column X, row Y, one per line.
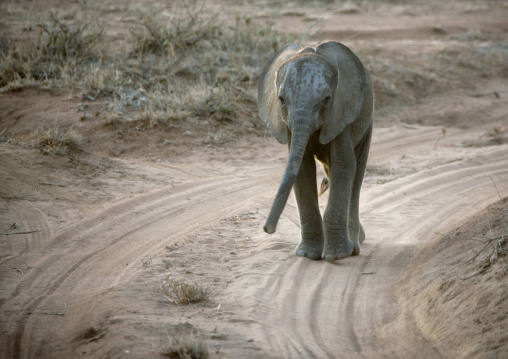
column 291, row 307
column 83, row 283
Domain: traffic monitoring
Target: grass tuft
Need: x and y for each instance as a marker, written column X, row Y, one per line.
column 180, row 292
column 186, row 346
column 67, row 41
column 167, row 32
column 56, row 141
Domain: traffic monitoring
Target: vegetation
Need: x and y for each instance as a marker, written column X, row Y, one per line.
column 180, row 292
column 181, row 61
column 56, row 141
column 186, row 346
column 55, row 55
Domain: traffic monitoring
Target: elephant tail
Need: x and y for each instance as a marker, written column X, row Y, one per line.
column 324, row 186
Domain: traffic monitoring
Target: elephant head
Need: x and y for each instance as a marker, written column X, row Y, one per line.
column 302, row 91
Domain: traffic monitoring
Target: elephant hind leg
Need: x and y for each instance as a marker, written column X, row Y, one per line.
column 361, row 154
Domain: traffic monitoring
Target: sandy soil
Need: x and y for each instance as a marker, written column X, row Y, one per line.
column 87, row 238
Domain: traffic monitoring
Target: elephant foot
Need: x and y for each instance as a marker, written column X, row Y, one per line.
column 342, row 250
column 312, row 251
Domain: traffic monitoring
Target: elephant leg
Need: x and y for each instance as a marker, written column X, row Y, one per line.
column 361, row 154
column 305, row 187
column 338, row 243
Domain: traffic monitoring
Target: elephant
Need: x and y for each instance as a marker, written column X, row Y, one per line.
column 320, row 102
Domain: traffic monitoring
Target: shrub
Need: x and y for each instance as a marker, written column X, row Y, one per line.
column 190, row 346
column 57, row 141
column 56, row 46
column 180, row 292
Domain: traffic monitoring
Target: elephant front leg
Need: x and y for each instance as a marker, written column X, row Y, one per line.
column 311, row 244
column 338, row 242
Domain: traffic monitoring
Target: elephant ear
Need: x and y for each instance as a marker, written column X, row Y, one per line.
column 268, row 99
column 350, row 91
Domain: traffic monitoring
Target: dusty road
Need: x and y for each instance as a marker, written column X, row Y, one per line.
column 87, row 240
column 88, row 278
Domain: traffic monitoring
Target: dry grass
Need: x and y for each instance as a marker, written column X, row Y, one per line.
column 490, row 233
column 496, row 241
column 56, row 141
column 186, row 346
column 179, row 60
column 53, row 52
column 169, row 32
column 180, row 292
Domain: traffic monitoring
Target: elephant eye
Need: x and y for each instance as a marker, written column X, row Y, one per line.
column 282, row 101
column 326, row 101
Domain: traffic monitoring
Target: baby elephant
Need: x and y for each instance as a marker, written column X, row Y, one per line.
column 320, row 101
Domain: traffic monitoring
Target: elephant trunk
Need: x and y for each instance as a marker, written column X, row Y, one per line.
column 300, row 137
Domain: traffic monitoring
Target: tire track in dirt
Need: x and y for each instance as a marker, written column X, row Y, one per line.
column 390, row 141
column 31, row 219
column 304, row 308
column 333, row 310
column 23, row 211
column 71, row 259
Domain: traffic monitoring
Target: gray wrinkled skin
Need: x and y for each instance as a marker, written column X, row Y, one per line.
column 320, row 101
